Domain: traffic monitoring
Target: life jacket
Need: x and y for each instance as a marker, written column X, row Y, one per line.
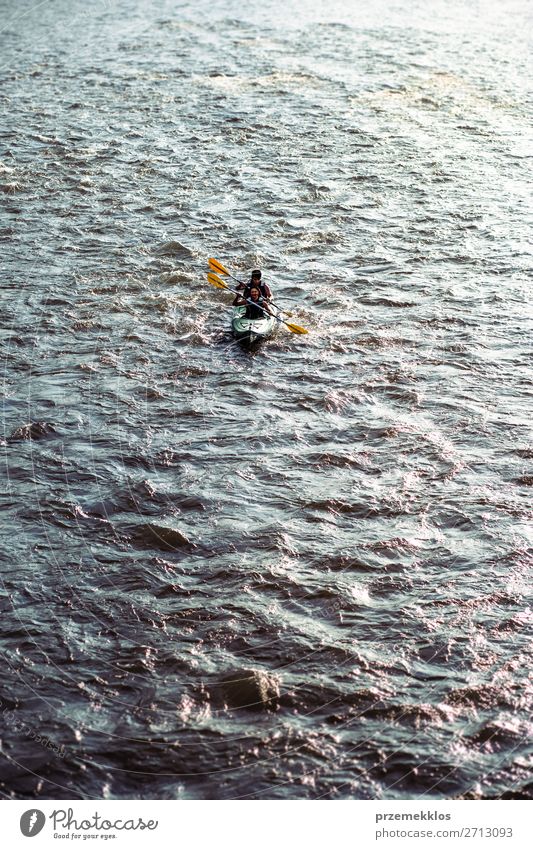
column 254, row 311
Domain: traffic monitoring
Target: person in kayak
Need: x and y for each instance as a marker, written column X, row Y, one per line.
column 254, row 310
column 255, row 280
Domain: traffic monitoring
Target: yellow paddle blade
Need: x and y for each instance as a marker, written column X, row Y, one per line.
column 295, row 329
column 216, row 281
column 218, row 267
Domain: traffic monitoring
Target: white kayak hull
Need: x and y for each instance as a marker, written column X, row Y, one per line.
column 251, row 330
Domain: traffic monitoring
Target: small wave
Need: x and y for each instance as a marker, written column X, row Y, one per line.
column 174, row 248
column 497, row 735
column 392, row 546
column 167, row 538
column 33, row 430
column 482, row 697
column 340, row 461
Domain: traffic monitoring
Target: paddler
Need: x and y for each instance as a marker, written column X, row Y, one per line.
column 255, row 280
column 256, row 309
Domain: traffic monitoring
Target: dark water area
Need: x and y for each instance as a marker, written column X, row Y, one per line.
column 339, row 522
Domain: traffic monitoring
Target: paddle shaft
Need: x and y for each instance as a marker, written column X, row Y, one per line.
column 216, row 281
column 246, row 284
column 250, row 301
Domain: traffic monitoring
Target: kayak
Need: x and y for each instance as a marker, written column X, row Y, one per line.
column 249, row 330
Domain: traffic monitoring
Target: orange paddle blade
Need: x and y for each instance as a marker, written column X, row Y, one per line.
column 218, row 267
column 216, row 281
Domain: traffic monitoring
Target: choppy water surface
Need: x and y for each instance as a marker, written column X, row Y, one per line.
column 346, row 512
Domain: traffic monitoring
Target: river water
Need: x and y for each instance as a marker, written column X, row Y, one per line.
column 345, row 512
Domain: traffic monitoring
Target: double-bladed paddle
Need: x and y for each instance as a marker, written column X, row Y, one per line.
column 216, row 281
column 217, row 266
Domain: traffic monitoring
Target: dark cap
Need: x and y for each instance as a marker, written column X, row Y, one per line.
column 256, row 273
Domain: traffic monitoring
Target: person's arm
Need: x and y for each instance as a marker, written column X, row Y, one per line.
column 266, row 307
column 238, row 300
column 268, row 291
